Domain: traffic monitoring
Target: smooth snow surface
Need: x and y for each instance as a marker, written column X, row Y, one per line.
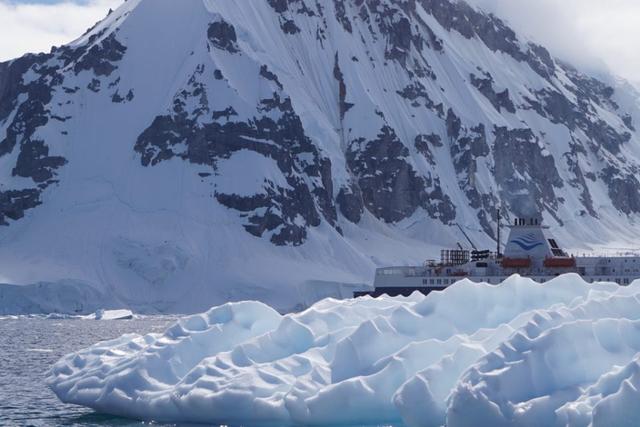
column 520, row 353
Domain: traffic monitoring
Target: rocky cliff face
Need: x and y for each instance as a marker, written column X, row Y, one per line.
column 339, row 135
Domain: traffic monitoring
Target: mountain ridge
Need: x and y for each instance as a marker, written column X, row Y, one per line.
column 192, row 149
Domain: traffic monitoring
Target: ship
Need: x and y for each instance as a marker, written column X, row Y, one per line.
column 530, row 251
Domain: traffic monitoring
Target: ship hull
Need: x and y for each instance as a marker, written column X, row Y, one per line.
column 397, row 291
column 401, row 285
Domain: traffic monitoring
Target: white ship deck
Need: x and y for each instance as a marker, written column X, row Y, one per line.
column 530, row 252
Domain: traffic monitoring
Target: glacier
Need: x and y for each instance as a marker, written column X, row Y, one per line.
column 66, row 297
column 563, row 353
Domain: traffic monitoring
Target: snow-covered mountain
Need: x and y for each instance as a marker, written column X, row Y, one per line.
column 184, row 153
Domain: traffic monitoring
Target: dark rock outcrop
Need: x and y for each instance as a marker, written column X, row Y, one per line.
column 223, row 36
column 499, row 100
column 391, row 189
column 342, row 88
column 30, row 102
column 494, row 33
column 350, row 202
column 624, row 189
column 522, row 167
column 285, row 213
column 100, row 57
column 14, row 203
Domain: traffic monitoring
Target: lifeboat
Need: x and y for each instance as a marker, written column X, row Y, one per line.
column 459, row 274
column 560, row 262
column 516, row 262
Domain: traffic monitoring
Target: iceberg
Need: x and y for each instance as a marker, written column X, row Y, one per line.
column 520, row 353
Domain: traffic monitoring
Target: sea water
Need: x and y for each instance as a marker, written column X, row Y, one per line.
column 29, row 346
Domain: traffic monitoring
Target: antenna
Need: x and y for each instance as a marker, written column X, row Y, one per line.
column 466, row 236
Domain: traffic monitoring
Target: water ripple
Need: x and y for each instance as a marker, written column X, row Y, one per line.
column 28, row 347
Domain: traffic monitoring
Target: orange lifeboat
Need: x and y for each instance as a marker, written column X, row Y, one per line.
column 516, row 262
column 560, row 262
column 459, row 274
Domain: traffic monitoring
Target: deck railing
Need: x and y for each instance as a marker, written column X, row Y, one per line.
column 401, row 271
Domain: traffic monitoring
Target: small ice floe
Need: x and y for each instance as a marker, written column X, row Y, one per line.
column 39, row 350
column 111, row 315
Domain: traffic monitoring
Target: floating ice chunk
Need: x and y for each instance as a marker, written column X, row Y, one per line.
column 519, row 353
column 111, row 315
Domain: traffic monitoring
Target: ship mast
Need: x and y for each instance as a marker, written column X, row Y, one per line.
column 498, row 255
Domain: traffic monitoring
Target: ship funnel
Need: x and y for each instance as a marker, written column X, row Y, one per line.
column 528, row 239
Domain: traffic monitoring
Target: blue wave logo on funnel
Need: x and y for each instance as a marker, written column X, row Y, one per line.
column 527, row 242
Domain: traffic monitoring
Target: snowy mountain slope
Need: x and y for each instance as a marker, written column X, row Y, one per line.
column 180, row 154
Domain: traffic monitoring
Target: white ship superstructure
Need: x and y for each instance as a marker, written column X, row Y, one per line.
column 530, row 251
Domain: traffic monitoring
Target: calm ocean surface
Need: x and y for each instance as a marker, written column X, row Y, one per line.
column 28, row 347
